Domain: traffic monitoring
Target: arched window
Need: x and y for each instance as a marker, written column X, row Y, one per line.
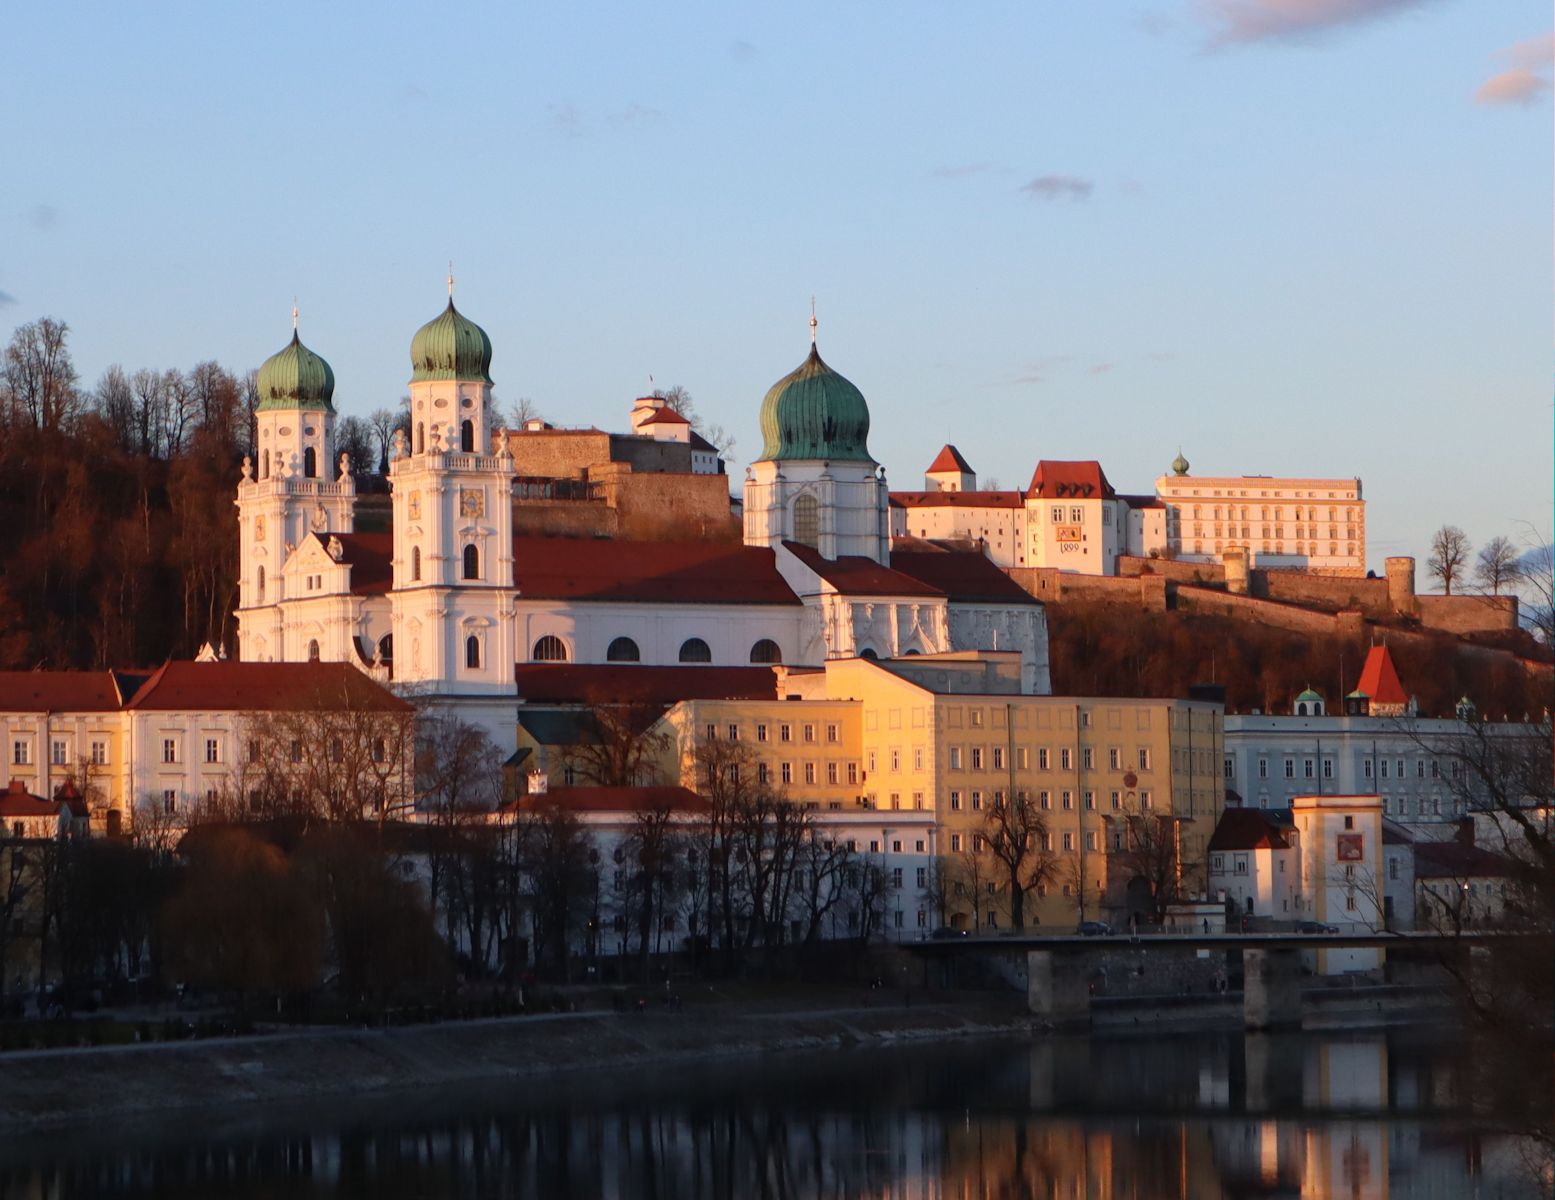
column 807, row 521
column 472, row 652
column 261, row 581
column 694, row 650
column 264, row 465
column 623, row 649
column 866, row 652
column 766, row 651
column 421, row 437
column 472, row 562
column 415, row 562
column 386, row 648
column 550, row 649
column 313, row 650
column 310, row 463
column 467, row 437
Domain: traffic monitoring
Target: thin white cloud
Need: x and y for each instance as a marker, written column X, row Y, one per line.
column 636, row 114
column 1059, row 187
column 1526, row 78
column 1244, row 22
column 43, row 216
column 6, row 298
column 961, row 170
column 742, row 51
column 565, row 119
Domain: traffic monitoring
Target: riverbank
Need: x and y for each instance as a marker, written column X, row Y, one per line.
column 53, row 1087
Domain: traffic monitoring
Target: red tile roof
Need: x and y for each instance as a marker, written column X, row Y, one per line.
column 665, row 416
column 963, row 576
column 625, row 800
column 1379, row 678
column 620, row 683
column 17, row 801
column 853, row 575
column 1454, row 860
column 262, row 687
column 652, row 572
column 59, row 691
column 958, row 499
column 1058, row 480
column 948, row 459
column 1247, row 829
column 370, row 557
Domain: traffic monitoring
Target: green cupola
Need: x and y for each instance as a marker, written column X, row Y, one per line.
column 813, row 412
column 1179, row 464
column 295, row 377
column 450, row 347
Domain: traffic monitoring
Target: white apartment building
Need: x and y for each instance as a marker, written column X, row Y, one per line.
column 1315, row 525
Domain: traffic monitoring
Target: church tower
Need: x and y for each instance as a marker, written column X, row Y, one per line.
column 815, row 482
column 291, row 487
column 453, row 520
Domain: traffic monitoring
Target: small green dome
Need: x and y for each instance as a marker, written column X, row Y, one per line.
column 296, row 378
column 1179, row 464
column 451, row 346
column 1309, row 695
column 813, row 412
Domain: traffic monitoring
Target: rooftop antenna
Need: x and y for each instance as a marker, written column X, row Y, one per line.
column 813, row 321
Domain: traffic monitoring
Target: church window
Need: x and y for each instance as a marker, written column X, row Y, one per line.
column 310, row 463
column 766, row 651
column 421, row 437
column 313, row 650
column 550, row 649
column 415, row 562
column 264, row 465
column 261, row 581
column 472, row 652
column 467, row 437
column 623, row 649
column 807, row 521
column 695, row 650
column 869, row 654
column 472, row 562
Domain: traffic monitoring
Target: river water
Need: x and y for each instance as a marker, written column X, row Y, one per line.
column 1362, row 1116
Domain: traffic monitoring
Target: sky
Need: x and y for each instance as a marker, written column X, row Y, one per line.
column 1293, row 237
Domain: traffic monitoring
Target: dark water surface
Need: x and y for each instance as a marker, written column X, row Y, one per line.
column 1360, row 1116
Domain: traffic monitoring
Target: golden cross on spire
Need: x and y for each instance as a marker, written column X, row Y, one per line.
column 450, row 279
column 294, row 314
column 813, row 321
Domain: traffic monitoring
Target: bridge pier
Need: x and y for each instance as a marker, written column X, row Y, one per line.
column 1057, row 987
column 1271, row 988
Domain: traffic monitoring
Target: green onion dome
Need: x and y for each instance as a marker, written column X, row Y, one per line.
column 296, row 378
column 451, row 346
column 813, row 412
column 1179, row 464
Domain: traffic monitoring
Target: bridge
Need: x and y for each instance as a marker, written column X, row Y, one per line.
column 1058, row 967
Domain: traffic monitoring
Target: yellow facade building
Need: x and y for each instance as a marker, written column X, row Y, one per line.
column 1120, row 785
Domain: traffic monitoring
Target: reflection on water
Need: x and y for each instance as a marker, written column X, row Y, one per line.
column 1185, row 1118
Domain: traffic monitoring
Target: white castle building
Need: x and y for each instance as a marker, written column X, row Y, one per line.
column 450, row 600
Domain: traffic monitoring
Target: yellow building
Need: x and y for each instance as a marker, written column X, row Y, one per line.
column 1124, row 790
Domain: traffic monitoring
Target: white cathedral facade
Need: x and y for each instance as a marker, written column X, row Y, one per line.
column 448, row 601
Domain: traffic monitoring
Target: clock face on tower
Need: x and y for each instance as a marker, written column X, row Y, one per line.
column 472, row 502
column 413, row 506
column 259, row 529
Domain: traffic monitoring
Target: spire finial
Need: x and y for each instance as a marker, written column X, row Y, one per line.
column 450, row 280
column 813, row 321
column 294, row 314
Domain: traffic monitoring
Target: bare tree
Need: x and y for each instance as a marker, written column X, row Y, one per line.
column 521, row 412
column 1498, row 565
column 1449, row 559
column 1016, row 833
column 680, row 400
column 623, row 746
column 1150, row 855
column 39, row 377
column 355, row 436
column 383, row 422
column 1536, row 573
column 114, row 400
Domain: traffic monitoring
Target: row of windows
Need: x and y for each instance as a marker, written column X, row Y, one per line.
column 1382, row 768
column 1234, row 512
column 785, row 732
column 1066, row 800
column 59, row 753
column 975, row 759
column 1067, row 842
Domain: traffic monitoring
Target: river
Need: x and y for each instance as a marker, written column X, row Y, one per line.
column 1365, row 1116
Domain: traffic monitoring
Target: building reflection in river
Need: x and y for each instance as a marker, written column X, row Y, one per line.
column 1177, row 1119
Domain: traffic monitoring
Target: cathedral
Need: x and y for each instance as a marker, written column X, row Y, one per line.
column 450, row 599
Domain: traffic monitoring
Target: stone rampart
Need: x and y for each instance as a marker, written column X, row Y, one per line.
column 1468, row 614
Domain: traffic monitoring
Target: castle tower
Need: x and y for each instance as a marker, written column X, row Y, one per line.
column 815, row 482
column 452, row 596
column 291, row 488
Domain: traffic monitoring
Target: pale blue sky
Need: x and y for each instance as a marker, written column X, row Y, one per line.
column 1287, row 234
